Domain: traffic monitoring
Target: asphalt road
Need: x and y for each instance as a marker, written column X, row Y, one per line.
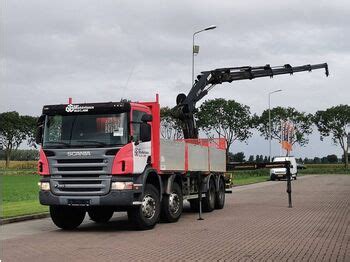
column 255, row 225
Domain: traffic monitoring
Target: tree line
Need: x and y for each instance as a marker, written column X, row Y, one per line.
column 329, row 159
column 235, row 122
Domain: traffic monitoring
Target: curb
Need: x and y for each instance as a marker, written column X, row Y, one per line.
column 23, row 218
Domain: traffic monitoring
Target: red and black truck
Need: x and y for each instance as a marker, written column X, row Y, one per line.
column 102, row 158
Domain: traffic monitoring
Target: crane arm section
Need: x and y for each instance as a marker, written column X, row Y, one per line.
column 186, row 105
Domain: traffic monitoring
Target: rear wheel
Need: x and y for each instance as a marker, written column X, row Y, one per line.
column 66, row 217
column 209, row 200
column 220, row 195
column 146, row 215
column 172, row 204
column 100, row 214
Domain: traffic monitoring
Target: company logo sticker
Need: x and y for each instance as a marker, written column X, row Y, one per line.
column 78, row 108
column 140, row 152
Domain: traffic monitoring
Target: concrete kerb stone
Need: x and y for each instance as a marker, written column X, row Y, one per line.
column 23, row 218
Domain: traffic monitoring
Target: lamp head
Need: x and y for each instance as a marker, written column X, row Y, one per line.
column 210, row 27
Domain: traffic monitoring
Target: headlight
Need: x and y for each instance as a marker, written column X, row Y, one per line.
column 122, row 185
column 45, row 186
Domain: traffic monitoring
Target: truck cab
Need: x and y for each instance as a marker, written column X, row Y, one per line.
column 281, row 173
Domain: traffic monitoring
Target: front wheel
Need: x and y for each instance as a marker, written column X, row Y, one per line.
column 100, row 214
column 146, row 215
column 172, row 205
column 66, row 217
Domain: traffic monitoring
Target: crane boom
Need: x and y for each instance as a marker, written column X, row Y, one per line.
column 186, row 105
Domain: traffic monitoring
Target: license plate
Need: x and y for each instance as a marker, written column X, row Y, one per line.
column 79, row 202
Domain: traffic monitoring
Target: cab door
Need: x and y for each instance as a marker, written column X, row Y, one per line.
column 141, row 150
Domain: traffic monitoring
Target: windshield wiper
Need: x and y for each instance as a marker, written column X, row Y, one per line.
column 58, row 143
column 92, row 141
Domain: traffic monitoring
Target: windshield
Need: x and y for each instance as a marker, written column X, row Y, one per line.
column 95, row 130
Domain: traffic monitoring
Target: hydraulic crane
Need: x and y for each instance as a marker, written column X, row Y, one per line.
column 185, row 105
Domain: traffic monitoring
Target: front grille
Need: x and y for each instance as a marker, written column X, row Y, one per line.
column 74, row 161
column 80, row 168
column 80, row 186
column 81, row 175
column 83, row 167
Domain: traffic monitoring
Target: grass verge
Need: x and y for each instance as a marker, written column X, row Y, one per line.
column 20, row 194
column 329, row 169
column 240, row 178
column 22, row 208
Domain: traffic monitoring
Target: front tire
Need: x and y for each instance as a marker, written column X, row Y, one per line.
column 66, row 217
column 100, row 214
column 172, row 205
column 147, row 214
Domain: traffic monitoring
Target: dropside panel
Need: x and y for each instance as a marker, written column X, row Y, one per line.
column 172, row 155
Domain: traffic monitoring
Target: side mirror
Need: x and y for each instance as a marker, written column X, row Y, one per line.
column 146, row 118
column 39, row 129
column 145, row 132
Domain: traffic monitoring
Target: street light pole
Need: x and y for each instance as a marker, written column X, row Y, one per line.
column 193, row 47
column 270, row 136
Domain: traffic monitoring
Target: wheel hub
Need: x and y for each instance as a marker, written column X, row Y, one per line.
column 174, row 203
column 148, row 206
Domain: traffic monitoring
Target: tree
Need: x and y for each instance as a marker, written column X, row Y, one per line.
column 238, row 157
column 332, row 159
column 257, row 159
column 226, row 118
column 324, row 160
column 317, row 160
column 251, row 158
column 14, row 129
column 170, row 128
column 335, row 122
column 301, row 121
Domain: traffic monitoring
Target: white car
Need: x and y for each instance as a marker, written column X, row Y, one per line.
column 279, row 173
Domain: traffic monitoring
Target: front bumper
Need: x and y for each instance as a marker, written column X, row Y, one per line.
column 116, row 198
column 281, row 175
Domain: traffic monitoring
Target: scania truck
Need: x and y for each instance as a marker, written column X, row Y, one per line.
column 101, row 158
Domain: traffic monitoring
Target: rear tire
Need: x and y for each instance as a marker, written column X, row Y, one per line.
column 146, row 215
column 220, row 195
column 272, row 178
column 66, row 217
column 100, row 214
column 209, row 200
column 172, row 205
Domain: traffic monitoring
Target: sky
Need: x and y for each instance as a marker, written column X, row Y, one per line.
column 96, row 51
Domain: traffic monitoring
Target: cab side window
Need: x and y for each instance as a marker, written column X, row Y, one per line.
column 136, row 121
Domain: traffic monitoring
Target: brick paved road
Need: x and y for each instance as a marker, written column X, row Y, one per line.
column 255, row 225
